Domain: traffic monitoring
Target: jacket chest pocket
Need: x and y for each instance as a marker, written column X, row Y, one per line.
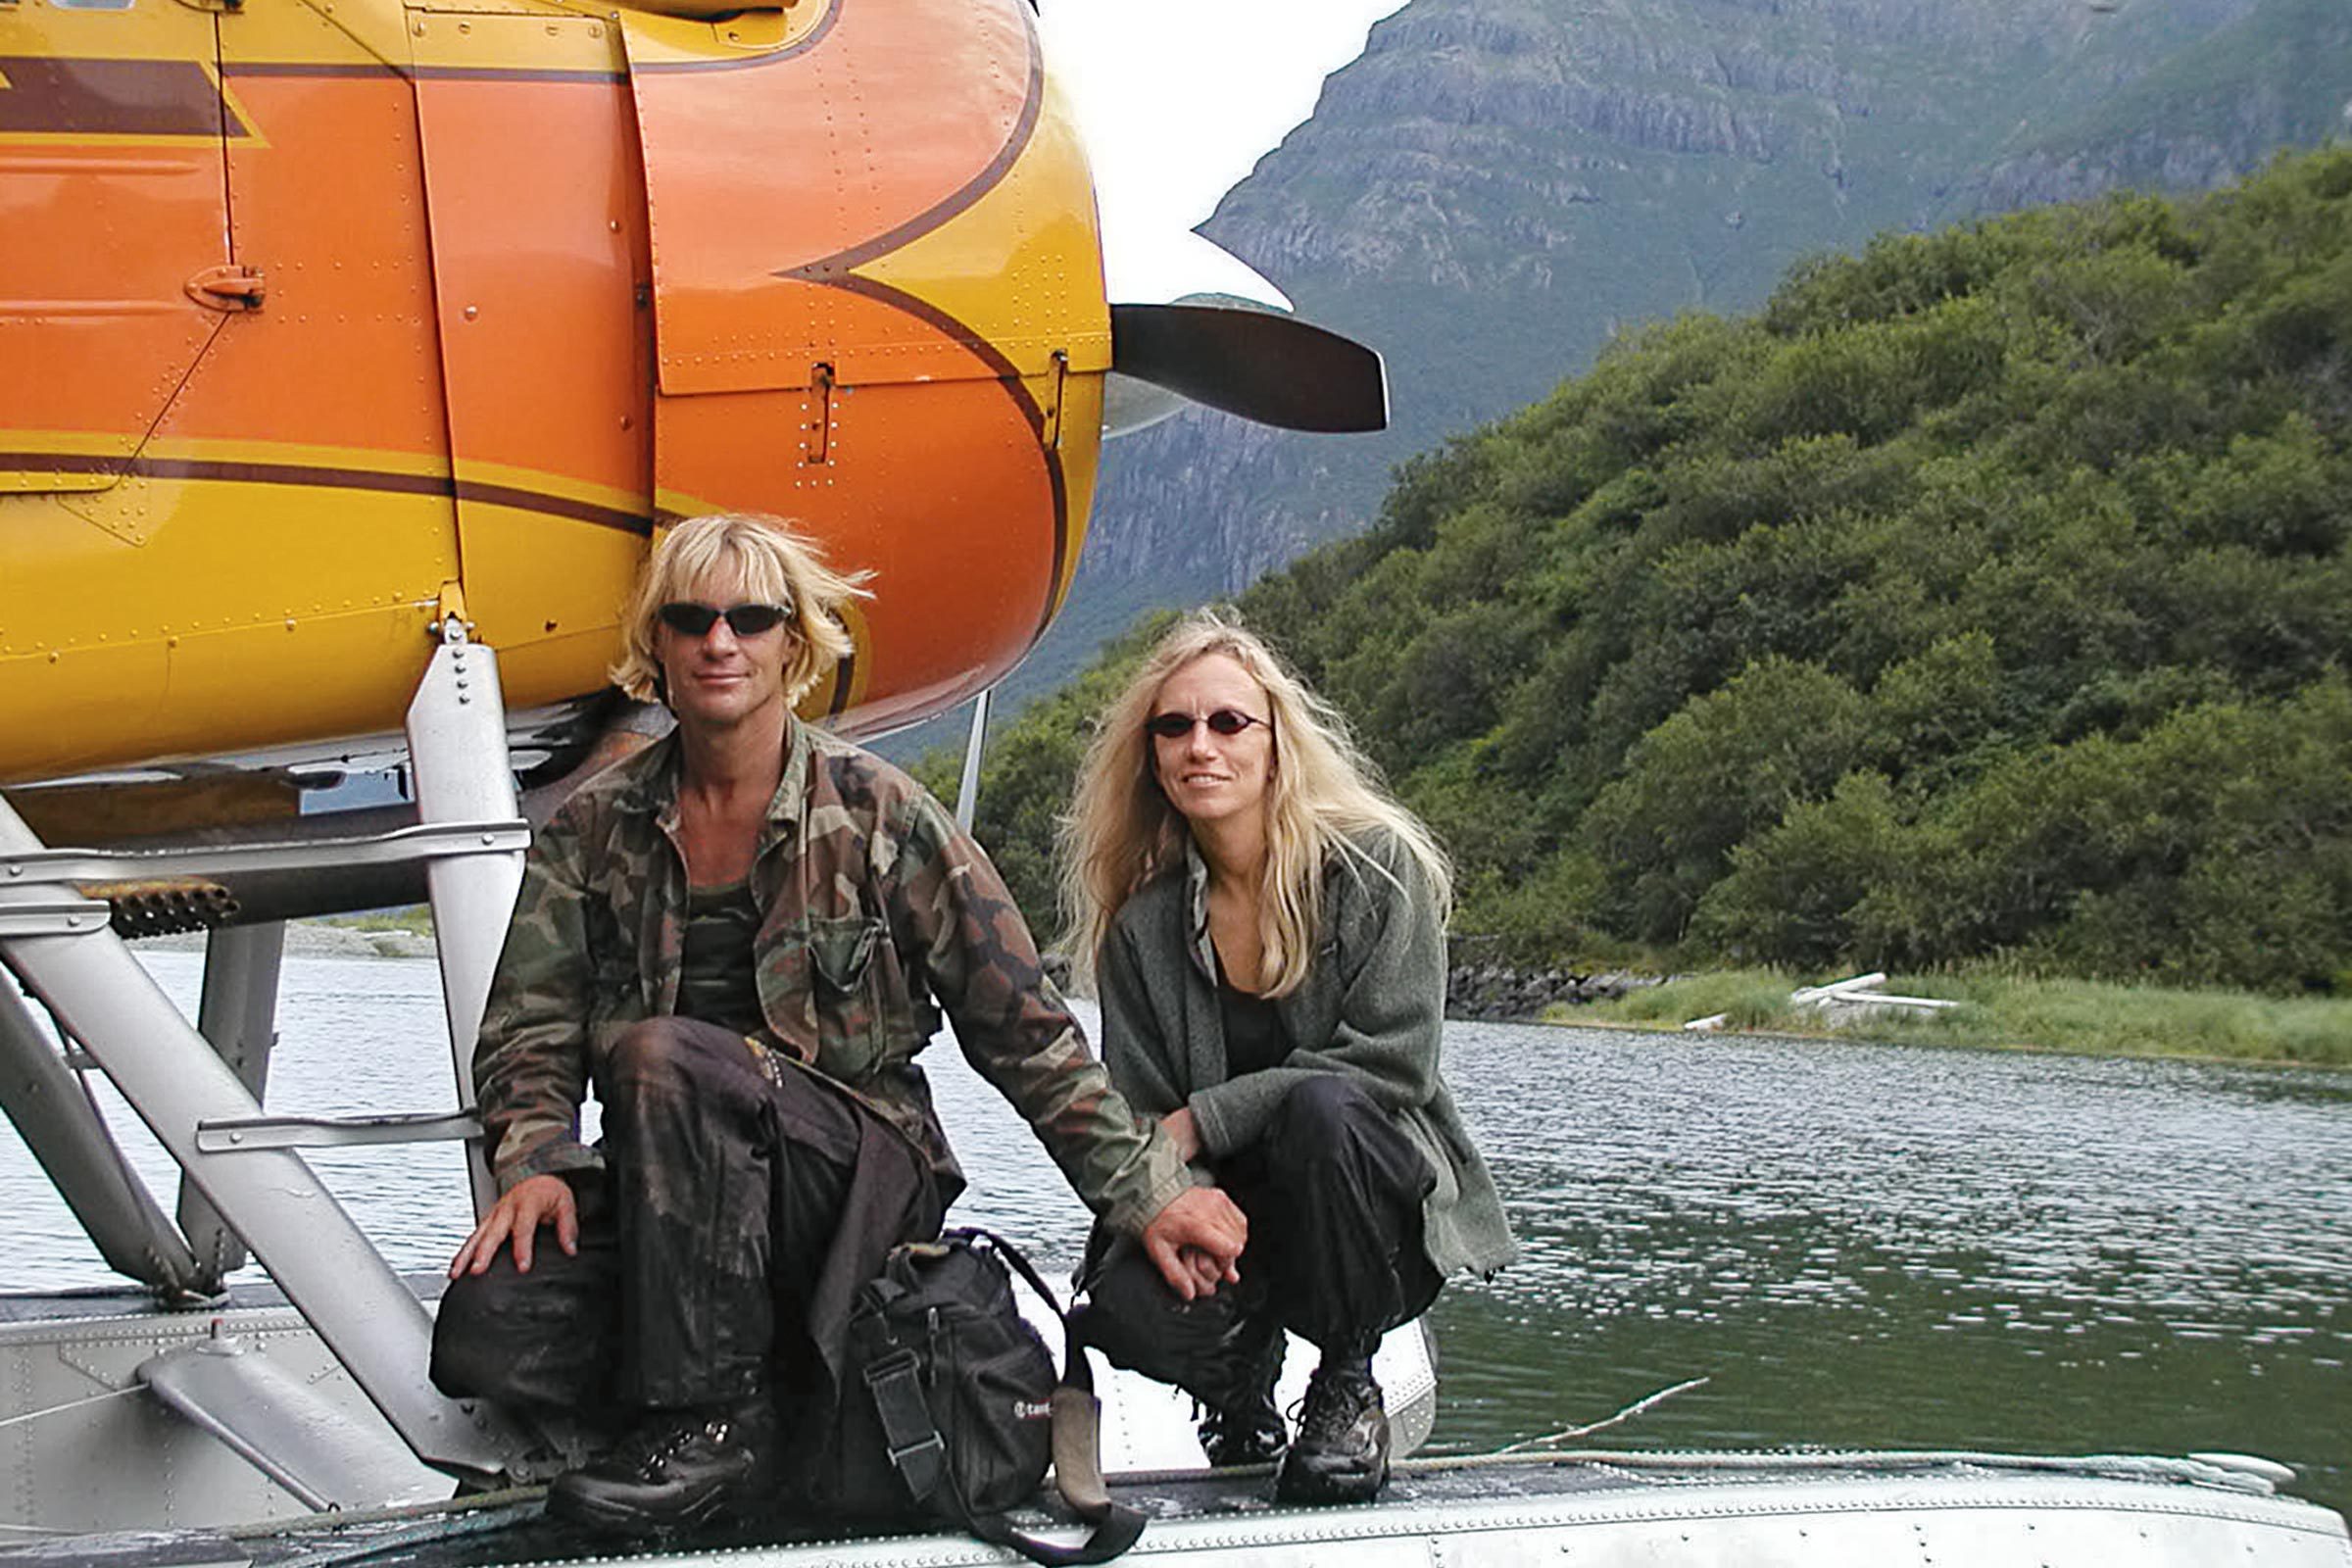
column 846, row 985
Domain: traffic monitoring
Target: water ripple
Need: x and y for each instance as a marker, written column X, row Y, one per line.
column 1855, row 1243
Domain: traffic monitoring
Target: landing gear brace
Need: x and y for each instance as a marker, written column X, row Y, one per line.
column 243, row 1171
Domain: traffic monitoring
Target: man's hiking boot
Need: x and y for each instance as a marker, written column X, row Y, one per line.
column 1243, row 1424
column 675, row 1468
column 1341, row 1451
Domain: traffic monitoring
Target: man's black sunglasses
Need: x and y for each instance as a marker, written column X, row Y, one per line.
column 1227, row 721
column 689, row 619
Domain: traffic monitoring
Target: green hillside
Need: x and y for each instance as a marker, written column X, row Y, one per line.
column 1985, row 595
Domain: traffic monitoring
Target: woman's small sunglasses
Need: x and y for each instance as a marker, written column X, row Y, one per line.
column 689, row 619
column 1227, row 721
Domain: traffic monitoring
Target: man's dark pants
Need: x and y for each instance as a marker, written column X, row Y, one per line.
column 1332, row 1192
column 719, row 1249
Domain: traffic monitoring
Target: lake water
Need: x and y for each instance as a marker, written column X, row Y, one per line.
column 1855, row 1244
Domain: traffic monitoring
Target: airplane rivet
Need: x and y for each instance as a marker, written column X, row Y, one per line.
column 472, row 311
column 236, row 1138
column 489, row 837
column 465, row 26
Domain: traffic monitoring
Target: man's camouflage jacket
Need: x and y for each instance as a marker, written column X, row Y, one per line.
column 872, row 904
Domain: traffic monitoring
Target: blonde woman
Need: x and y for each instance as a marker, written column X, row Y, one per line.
column 1267, row 930
column 736, row 936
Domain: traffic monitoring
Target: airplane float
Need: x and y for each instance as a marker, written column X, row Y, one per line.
column 350, row 351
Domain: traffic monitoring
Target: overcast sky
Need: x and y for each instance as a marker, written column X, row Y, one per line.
column 1179, row 98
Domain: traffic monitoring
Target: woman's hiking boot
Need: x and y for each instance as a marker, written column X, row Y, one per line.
column 1244, row 1425
column 1246, row 1432
column 1341, row 1451
column 673, row 1468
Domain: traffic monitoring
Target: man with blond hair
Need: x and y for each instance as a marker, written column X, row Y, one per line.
column 736, row 936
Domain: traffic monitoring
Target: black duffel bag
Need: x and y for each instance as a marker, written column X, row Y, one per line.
column 950, row 1406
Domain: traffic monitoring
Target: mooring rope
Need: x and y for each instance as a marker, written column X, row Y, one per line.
column 72, row 1404
column 390, row 1513
column 1631, row 1410
column 1667, row 1464
column 428, row 1528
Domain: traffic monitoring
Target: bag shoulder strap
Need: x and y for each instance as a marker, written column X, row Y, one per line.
column 916, row 1450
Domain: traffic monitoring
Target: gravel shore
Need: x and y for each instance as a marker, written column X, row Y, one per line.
column 319, row 939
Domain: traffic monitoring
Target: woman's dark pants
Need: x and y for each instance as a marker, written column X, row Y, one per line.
column 1334, row 1192
column 719, row 1249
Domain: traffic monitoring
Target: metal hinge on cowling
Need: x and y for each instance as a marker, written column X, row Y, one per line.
column 227, row 288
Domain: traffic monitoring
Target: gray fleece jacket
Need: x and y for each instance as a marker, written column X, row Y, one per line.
column 1370, row 1009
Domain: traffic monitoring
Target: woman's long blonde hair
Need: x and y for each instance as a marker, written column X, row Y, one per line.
column 775, row 564
column 1321, row 794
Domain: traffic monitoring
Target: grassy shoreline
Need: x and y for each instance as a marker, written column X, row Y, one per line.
column 1998, row 1012
column 414, row 919
column 2009, row 1013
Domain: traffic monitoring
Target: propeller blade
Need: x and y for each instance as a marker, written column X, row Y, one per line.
column 1275, row 369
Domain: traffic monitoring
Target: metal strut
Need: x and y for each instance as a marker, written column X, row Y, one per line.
column 967, row 791
column 237, row 1012
column 44, row 1098
column 457, row 754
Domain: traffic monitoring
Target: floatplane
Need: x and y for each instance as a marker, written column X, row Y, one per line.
column 351, row 353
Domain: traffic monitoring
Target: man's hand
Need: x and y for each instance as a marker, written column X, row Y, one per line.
column 1197, row 1241
column 530, row 1203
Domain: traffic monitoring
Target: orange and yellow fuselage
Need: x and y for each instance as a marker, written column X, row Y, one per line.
column 322, row 317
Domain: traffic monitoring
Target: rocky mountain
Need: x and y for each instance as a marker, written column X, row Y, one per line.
column 1495, row 187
